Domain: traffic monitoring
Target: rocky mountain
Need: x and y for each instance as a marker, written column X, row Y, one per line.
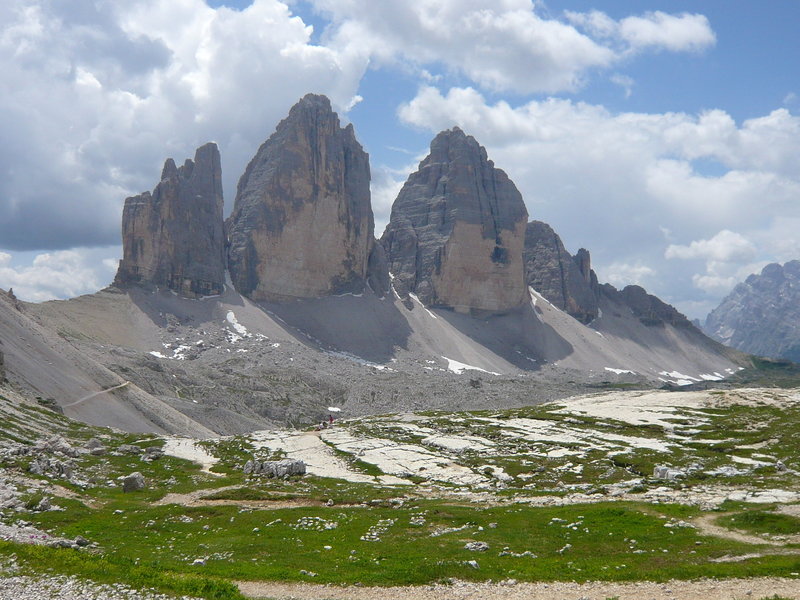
column 762, row 314
column 306, row 324
column 457, row 231
column 566, row 281
column 302, row 224
column 174, row 237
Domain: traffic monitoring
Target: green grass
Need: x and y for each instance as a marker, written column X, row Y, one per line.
column 278, row 544
column 111, row 568
column 757, row 521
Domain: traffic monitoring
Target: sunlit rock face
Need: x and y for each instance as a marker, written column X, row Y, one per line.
column 457, row 231
column 302, row 224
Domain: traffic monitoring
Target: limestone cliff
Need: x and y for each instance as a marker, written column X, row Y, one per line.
column 457, row 231
column 175, row 237
column 302, row 224
column 567, row 281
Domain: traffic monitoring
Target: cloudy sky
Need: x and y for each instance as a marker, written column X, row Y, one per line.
column 662, row 135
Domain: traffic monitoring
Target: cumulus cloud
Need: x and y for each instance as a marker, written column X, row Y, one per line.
column 60, row 274
column 97, row 94
column 728, row 258
column 621, row 274
column 506, row 45
column 615, row 182
column 726, row 246
column 653, row 30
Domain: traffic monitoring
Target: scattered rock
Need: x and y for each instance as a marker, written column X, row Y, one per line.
column 133, row 482
column 663, row 472
column 476, row 546
column 275, row 468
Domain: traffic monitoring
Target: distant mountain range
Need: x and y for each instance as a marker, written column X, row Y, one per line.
column 292, row 305
column 761, row 315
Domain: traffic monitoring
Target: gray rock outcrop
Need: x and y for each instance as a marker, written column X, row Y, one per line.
column 649, row 309
column 133, row 482
column 175, row 236
column 302, row 223
column 457, row 231
column 762, row 314
column 567, row 281
column 275, row 468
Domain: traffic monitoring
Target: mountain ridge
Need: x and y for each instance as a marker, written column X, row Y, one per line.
column 449, row 320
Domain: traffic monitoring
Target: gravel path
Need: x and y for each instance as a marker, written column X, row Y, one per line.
column 706, row 589
column 68, row 588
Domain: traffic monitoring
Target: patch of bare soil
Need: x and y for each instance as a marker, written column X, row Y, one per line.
column 706, row 524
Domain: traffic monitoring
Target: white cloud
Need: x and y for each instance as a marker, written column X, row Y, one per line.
column 728, row 258
column 654, row 30
column 625, row 82
column 58, row 275
column 614, row 183
column 685, row 32
column 98, row 94
column 621, row 274
column 726, row 246
column 505, row 45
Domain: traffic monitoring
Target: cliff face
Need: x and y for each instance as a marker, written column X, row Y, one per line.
column 174, row 237
column 649, row 309
column 457, row 231
column 762, row 315
column 567, row 281
column 302, row 224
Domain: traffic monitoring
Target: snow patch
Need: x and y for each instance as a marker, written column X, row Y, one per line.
column 458, row 367
column 418, row 301
column 618, row 371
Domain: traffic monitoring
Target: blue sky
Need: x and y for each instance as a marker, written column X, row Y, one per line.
column 663, row 136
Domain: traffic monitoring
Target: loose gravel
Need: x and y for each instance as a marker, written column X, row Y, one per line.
column 69, row 588
column 705, row 589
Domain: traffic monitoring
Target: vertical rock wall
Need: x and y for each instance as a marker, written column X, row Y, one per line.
column 457, row 231
column 302, row 224
column 175, row 237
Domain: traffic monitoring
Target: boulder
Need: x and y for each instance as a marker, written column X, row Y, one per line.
column 130, row 449
column 133, row 482
column 457, row 231
column 302, row 223
column 275, row 468
column 50, row 467
column 56, row 445
column 175, row 236
column 566, row 281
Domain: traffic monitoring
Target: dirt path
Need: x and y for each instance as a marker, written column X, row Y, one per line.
column 198, row 498
column 90, row 396
column 706, row 525
column 706, row 589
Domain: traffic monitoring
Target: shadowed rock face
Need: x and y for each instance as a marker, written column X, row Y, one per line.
column 302, row 224
column 649, row 309
column 567, row 281
column 762, row 315
column 175, row 237
column 457, row 231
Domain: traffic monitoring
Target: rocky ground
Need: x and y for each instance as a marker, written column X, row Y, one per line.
column 512, row 590
column 684, row 468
